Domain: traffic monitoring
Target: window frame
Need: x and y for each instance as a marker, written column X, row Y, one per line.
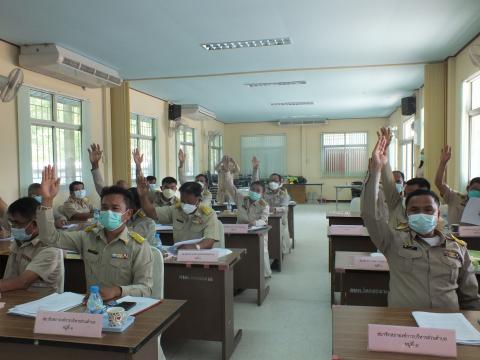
column 138, row 136
column 246, row 168
column 181, row 143
column 408, row 141
column 471, row 114
column 213, row 147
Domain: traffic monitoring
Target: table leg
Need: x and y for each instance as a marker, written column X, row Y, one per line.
column 336, row 198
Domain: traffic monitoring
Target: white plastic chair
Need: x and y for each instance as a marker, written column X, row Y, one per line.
column 221, row 231
column 157, row 290
column 355, row 204
column 61, row 276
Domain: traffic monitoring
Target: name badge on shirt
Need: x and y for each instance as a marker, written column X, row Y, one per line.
column 120, row 256
column 452, row 254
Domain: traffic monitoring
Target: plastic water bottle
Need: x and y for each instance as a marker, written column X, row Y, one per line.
column 158, row 241
column 94, row 302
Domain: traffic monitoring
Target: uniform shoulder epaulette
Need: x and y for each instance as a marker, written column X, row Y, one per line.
column 178, row 204
column 402, row 227
column 141, row 214
column 137, row 237
column 262, row 202
column 205, row 209
column 90, row 228
column 457, row 240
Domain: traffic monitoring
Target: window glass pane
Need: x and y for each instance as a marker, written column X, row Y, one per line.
column 146, row 147
column 42, row 150
column 270, row 151
column 68, row 155
column 69, row 111
column 189, row 136
column 474, row 146
column 146, row 126
column 40, row 105
column 408, row 132
column 407, row 160
column 476, row 93
column 344, row 155
column 133, row 145
column 133, row 124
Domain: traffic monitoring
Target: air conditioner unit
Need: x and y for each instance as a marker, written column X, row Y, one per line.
column 302, row 122
column 63, row 64
column 196, row 112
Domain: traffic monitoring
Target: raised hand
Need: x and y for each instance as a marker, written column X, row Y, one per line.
column 137, row 157
column 255, row 162
column 181, row 157
column 142, row 186
column 95, row 154
column 379, row 158
column 50, row 185
column 446, row 154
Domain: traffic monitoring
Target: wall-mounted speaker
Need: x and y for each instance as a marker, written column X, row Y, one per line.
column 409, row 106
column 174, row 112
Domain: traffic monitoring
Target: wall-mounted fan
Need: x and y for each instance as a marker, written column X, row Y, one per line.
column 10, row 89
column 474, row 54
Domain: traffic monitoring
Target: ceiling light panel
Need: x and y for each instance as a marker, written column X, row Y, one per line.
column 229, row 45
column 292, row 103
column 279, row 83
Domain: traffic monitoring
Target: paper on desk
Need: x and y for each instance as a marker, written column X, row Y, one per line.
column 69, row 226
column 471, row 214
column 142, row 303
column 256, row 227
column 464, row 330
column 53, row 302
column 187, row 242
column 160, row 227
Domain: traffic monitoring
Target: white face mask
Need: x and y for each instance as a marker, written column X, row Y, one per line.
column 273, row 185
column 188, row 208
column 80, row 194
column 168, row 193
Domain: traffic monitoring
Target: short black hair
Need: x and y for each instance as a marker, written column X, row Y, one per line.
column 475, row 180
column 202, row 175
column 261, row 183
column 420, row 182
column 401, row 174
column 32, row 188
column 276, row 174
column 169, row 180
column 25, row 207
column 191, row 187
column 151, row 177
column 421, row 192
column 117, row 190
column 135, row 198
column 73, row 183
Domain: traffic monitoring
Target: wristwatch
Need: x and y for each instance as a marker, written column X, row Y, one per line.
column 197, row 246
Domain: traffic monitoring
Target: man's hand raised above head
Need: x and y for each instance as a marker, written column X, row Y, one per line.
column 255, row 162
column 446, row 154
column 137, row 157
column 181, row 158
column 379, row 158
column 50, row 185
column 95, row 153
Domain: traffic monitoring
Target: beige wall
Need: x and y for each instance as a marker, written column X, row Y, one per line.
column 303, row 144
column 9, row 142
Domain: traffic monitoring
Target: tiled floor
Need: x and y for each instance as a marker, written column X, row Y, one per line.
column 294, row 322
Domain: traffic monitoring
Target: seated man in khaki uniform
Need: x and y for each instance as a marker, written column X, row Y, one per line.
column 118, row 260
column 455, row 200
column 200, row 179
column 31, row 264
column 428, row 269
column 77, row 207
column 190, row 219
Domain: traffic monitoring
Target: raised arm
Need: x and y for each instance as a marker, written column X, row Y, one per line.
column 181, row 167
column 3, row 208
column 145, row 199
column 445, row 156
column 95, row 155
column 255, row 169
column 230, row 187
column 377, row 225
column 138, row 159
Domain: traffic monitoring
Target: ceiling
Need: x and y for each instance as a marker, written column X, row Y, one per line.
column 358, row 57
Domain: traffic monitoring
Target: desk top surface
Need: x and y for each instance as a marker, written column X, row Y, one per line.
column 348, row 230
column 20, row 329
column 343, row 214
column 350, row 332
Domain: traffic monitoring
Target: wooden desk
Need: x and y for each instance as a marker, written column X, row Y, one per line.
column 350, row 332
column 137, row 342
column 274, row 235
column 291, row 221
column 359, row 286
column 208, row 289
column 344, row 218
column 339, row 188
column 298, row 192
column 250, row 272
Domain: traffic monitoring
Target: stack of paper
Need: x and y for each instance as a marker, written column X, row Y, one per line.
column 53, row 302
column 471, row 213
column 141, row 303
column 160, row 227
column 465, row 332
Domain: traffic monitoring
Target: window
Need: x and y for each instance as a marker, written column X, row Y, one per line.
column 271, row 151
column 344, row 154
column 393, row 148
column 56, row 135
column 474, row 128
column 186, row 141
column 215, row 152
column 142, row 136
column 407, row 148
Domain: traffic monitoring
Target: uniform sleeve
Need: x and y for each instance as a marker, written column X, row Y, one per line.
column 231, row 189
column 69, row 209
column 451, row 197
column 147, row 229
column 263, row 220
column 45, row 262
column 211, row 229
column 164, row 214
column 255, row 174
column 468, row 297
column 392, row 197
column 181, row 175
column 377, row 225
column 49, row 235
column 142, row 282
column 10, row 269
column 98, row 180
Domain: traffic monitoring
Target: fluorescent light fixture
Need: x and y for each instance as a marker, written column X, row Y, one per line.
column 279, row 83
column 228, row 45
column 292, row 103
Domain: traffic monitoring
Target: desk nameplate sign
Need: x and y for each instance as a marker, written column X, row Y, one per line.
column 235, row 228
column 469, row 231
column 68, row 324
column 197, row 256
column 412, row 340
column 370, row 263
column 347, row 230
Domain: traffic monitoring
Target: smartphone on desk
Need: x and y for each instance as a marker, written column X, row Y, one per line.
column 126, row 305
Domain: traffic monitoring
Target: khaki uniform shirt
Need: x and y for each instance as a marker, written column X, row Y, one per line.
column 43, row 260
column 127, row 261
column 206, row 194
column 203, row 223
column 456, row 204
column 74, row 206
column 144, row 226
column 393, row 199
column 159, row 201
column 421, row 276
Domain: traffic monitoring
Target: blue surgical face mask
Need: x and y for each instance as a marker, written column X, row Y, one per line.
column 153, row 187
column 110, row 220
column 20, row 234
column 474, row 194
column 80, row 194
column 38, row 198
column 254, row 196
column 422, row 223
column 399, row 187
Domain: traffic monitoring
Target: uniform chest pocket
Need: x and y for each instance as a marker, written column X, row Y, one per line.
column 91, row 258
column 450, row 267
column 120, row 270
column 409, row 258
column 179, row 224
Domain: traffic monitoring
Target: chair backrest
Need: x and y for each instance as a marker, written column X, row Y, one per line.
column 61, row 276
column 157, row 291
column 221, row 232
column 355, row 204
